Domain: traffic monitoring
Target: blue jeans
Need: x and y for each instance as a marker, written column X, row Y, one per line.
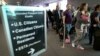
column 68, row 28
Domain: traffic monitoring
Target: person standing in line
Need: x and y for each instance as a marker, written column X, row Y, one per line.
column 47, row 19
column 74, row 20
column 58, row 18
column 67, row 20
column 50, row 16
column 95, row 19
column 82, row 18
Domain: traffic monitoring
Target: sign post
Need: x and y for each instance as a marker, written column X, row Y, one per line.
column 25, row 29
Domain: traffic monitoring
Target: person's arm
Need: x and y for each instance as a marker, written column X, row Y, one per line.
column 63, row 17
column 78, row 17
column 54, row 14
column 97, row 20
column 61, row 13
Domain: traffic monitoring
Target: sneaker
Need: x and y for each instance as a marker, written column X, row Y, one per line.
column 73, row 44
column 67, row 40
column 80, row 47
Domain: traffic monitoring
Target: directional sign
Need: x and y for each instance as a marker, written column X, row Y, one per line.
column 31, row 51
column 25, row 28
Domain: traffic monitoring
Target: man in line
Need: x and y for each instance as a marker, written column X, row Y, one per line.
column 57, row 17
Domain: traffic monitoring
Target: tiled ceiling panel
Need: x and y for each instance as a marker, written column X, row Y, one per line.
column 37, row 2
column 30, row 2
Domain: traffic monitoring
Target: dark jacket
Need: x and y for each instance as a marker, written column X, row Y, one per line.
column 56, row 15
column 93, row 16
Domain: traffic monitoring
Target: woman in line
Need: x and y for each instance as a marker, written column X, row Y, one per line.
column 82, row 19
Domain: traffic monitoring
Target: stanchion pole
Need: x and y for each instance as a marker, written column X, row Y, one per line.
column 63, row 45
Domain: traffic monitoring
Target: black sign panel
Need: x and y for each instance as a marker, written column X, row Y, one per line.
column 27, row 30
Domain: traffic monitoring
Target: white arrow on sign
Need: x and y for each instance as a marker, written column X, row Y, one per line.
column 31, row 51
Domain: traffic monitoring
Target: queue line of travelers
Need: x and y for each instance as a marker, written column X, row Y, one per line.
column 81, row 21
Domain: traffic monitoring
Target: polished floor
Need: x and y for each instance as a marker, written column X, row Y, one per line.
column 54, row 47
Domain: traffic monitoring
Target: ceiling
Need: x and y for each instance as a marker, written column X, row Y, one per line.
column 30, row 2
column 37, row 2
column 14, row 2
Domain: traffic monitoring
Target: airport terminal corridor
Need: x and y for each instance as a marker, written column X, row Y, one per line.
column 49, row 28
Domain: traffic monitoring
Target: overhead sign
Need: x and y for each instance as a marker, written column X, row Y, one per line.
column 25, row 28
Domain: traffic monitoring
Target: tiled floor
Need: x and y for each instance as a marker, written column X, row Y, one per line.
column 54, row 47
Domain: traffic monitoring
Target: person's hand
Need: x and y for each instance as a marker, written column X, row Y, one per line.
column 94, row 25
column 63, row 23
column 52, row 16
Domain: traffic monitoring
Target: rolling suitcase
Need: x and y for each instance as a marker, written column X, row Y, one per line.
column 96, row 44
